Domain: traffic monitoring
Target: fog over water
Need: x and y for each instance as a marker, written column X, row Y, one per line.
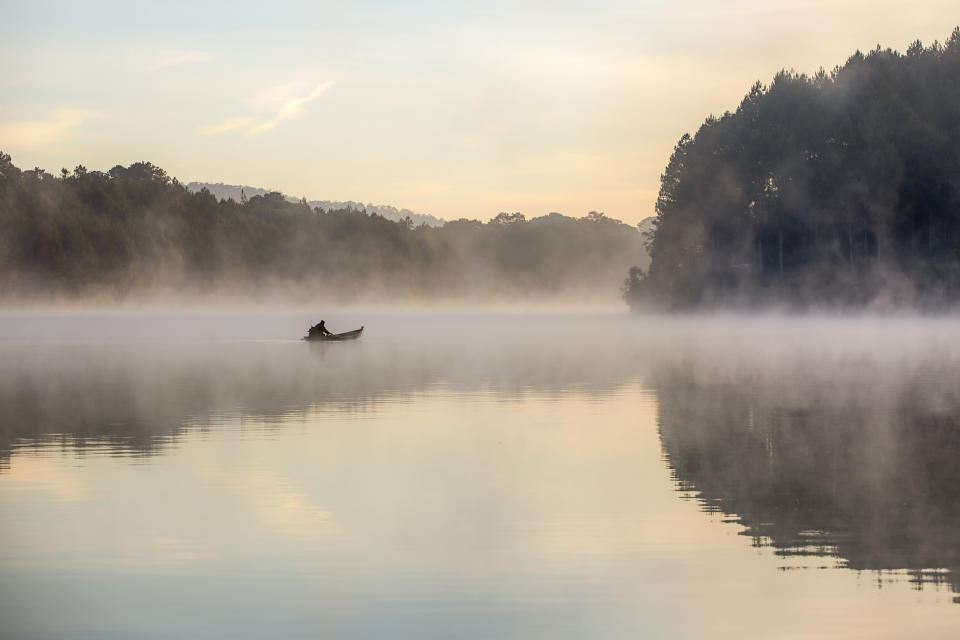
column 479, row 475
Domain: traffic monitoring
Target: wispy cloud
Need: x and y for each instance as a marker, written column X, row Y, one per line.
column 176, row 58
column 36, row 132
column 230, row 124
column 292, row 107
column 285, row 101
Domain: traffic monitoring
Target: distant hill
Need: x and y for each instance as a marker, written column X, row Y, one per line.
column 233, row 192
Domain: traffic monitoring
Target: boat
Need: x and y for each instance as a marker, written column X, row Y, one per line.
column 346, row 335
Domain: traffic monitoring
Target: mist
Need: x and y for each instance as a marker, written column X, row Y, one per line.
column 822, row 191
column 765, row 447
column 493, row 449
column 135, row 237
column 874, row 395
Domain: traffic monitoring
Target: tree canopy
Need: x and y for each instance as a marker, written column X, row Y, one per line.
column 839, row 189
column 134, row 231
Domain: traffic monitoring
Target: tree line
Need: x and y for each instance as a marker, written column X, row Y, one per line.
column 134, row 231
column 837, row 190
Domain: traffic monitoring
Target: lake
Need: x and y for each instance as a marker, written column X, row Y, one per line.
column 469, row 475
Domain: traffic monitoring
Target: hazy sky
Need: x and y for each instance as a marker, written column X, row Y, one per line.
column 453, row 109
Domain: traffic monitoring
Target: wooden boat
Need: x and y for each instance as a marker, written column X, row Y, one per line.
column 346, row 335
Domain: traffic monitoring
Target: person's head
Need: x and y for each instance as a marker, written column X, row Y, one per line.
column 321, row 322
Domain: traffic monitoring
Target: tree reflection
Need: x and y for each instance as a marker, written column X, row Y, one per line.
column 851, row 461
column 136, row 399
column 823, row 440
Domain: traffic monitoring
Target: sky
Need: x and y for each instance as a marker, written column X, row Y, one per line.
column 447, row 108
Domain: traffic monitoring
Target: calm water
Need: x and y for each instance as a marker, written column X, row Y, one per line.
column 479, row 476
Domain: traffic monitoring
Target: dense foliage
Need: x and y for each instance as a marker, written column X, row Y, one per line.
column 133, row 231
column 832, row 190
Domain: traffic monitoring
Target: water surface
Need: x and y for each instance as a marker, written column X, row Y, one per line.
column 478, row 476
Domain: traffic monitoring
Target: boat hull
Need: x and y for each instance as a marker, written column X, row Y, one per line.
column 336, row 337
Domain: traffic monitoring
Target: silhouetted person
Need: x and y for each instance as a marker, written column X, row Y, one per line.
column 320, row 329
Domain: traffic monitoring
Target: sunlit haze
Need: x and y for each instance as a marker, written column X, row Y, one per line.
column 510, row 320
column 451, row 109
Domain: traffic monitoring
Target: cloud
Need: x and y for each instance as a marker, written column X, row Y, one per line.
column 176, row 58
column 292, row 107
column 229, row 124
column 286, row 100
column 36, row 132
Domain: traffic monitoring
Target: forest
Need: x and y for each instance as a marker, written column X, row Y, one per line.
column 839, row 190
column 135, row 233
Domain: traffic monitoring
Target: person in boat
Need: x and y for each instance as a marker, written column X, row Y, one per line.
column 319, row 329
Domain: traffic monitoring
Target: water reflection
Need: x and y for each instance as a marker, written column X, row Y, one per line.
column 135, row 397
column 850, row 458
column 484, row 477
